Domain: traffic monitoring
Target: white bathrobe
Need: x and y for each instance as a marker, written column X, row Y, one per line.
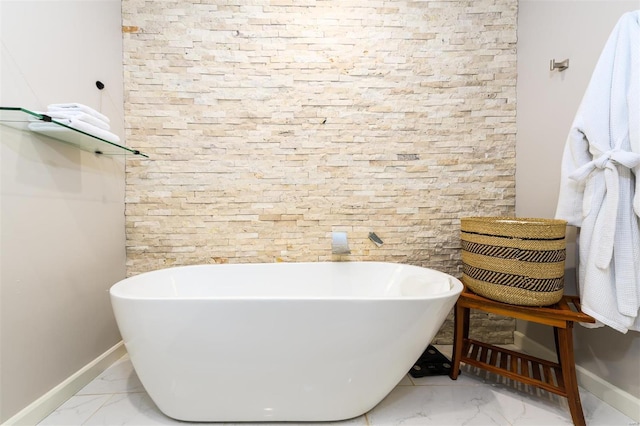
column 600, row 183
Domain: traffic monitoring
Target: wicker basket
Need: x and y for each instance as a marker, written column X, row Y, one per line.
column 514, row 260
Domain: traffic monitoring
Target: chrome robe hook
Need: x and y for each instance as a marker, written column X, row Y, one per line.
column 560, row 66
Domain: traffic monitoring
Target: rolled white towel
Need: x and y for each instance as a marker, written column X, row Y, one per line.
column 87, row 128
column 74, row 106
column 78, row 115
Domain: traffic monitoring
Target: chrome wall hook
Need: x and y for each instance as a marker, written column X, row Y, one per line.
column 560, row 66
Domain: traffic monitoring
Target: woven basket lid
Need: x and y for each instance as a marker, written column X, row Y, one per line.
column 515, row 227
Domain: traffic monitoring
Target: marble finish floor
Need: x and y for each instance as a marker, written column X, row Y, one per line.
column 116, row 397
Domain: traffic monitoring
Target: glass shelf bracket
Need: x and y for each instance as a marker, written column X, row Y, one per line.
column 26, row 120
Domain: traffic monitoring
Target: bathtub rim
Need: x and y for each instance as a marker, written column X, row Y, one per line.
column 455, row 284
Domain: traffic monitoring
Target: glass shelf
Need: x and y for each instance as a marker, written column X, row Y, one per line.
column 23, row 119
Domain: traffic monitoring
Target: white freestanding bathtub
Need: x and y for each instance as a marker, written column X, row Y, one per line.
column 279, row 341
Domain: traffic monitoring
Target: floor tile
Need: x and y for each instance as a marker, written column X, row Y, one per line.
column 522, row 405
column 597, row 413
column 438, row 406
column 119, row 377
column 477, row 397
column 76, row 410
column 135, row 409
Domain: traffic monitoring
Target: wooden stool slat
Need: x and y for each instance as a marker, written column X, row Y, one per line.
column 525, row 368
column 514, row 364
column 494, row 357
column 548, row 377
column 503, row 361
column 474, row 352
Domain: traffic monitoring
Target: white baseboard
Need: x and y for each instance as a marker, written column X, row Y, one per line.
column 612, row 395
column 47, row 403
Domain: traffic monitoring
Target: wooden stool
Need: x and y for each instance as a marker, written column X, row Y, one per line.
column 559, row 378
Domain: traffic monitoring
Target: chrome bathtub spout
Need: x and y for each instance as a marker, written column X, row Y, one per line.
column 339, row 244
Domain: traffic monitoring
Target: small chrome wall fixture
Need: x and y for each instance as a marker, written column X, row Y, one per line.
column 376, row 240
column 339, row 243
column 560, row 66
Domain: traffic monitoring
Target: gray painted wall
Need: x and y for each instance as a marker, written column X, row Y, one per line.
column 62, row 209
column 547, row 103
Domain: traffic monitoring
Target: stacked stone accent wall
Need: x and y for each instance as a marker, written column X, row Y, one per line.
column 270, row 124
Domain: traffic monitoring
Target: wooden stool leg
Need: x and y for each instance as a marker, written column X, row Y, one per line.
column 564, row 348
column 460, row 333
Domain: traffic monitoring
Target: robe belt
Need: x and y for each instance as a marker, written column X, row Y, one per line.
column 607, row 162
